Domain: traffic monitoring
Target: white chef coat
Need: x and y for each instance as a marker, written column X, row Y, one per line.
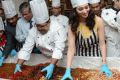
column 63, row 20
column 112, row 32
column 22, row 29
column 51, row 44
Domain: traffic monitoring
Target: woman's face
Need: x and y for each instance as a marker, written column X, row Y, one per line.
column 83, row 10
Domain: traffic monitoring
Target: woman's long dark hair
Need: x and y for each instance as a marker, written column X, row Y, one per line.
column 74, row 20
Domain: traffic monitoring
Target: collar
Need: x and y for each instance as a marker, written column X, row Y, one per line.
column 117, row 10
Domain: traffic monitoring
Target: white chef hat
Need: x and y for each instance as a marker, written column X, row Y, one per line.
column 55, row 3
column 1, row 24
column 94, row 1
column 40, row 11
column 9, row 8
column 76, row 3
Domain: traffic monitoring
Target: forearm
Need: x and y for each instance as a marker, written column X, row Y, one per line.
column 70, row 55
column 20, row 61
column 103, row 52
column 53, row 61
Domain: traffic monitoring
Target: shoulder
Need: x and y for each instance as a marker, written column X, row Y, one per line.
column 108, row 11
column 55, row 26
column 99, row 22
column 20, row 21
column 64, row 17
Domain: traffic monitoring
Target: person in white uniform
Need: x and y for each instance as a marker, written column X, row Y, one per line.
column 48, row 35
column 24, row 23
column 112, row 29
column 56, row 11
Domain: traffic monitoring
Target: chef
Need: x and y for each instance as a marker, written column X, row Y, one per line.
column 48, row 36
column 56, row 11
column 112, row 29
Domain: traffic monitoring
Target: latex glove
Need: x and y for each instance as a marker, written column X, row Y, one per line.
column 49, row 70
column 17, row 68
column 105, row 69
column 1, row 60
column 1, row 53
column 67, row 75
column 13, row 52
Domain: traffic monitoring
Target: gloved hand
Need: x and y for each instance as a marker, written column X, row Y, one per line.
column 67, row 75
column 1, row 53
column 1, row 60
column 17, row 68
column 49, row 70
column 13, row 52
column 105, row 69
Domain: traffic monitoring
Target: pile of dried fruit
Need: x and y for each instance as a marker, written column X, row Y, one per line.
column 33, row 73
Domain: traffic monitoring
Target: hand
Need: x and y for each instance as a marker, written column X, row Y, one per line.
column 1, row 60
column 49, row 70
column 105, row 70
column 67, row 75
column 1, row 53
column 13, row 52
column 17, row 68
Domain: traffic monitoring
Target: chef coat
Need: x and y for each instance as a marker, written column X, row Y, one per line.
column 63, row 20
column 112, row 32
column 22, row 29
column 51, row 44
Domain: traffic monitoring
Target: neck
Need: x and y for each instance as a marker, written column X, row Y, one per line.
column 82, row 20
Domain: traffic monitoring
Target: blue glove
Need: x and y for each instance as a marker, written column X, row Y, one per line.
column 49, row 70
column 67, row 75
column 1, row 60
column 13, row 52
column 1, row 53
column 17, row 68
column 105, row 70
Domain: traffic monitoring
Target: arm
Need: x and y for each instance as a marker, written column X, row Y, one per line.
column 104, row 68
column 101, row 36
column 59, row 40
column 24, row 53
column 71, row 47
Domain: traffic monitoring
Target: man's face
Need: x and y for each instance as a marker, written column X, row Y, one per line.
column 13, row 20
column 56, row 10
column 95, row 8
column 43, row 28
column 27, row 14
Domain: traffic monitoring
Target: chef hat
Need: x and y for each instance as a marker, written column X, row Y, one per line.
column 1, row 24
column 9, row 8
column 94, row 1
column 40, row 11
column 76, row 3
column 55, row 3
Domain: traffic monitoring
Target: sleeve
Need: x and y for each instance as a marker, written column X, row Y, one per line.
column 19, row 33
column 59, row 38
column 25, row 52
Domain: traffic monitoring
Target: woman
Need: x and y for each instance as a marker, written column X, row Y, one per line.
column 85, row 30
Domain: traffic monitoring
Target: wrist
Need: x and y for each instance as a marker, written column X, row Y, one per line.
column 69, row 69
